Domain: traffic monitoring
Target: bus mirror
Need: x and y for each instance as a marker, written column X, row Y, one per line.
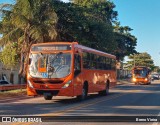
column 29, row 62
column 76, row 72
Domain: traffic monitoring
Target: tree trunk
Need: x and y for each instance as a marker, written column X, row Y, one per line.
column 20, row 75
column 12, row 77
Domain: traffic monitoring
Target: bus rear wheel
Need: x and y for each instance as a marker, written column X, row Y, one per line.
column 48, row 97
column 84, row 93
column 106, row 91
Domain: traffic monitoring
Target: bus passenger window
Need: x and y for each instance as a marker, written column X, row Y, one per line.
column 77, row 64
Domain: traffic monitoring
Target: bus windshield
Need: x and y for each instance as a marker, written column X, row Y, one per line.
column 142, row 73
column 57, row 65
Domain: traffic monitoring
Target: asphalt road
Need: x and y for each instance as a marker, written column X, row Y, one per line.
column 123, row 100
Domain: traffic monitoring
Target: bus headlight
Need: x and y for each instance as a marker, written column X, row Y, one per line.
column 146, row 79
column 30, row 84
column 67, row 84
column 134, row 79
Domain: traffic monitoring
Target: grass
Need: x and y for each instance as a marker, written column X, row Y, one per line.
column 13, row 93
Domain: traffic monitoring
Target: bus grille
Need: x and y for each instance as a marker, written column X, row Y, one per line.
column 41, row 92
column 49, row 82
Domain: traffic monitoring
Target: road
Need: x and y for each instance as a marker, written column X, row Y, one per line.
column 123, row 100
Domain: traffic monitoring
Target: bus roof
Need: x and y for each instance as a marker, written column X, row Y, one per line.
column 78, row 46
column 95, row 51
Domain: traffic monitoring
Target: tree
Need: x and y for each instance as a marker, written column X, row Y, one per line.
column 28, row 22
column 101, row 9
column 86, row 25
column 8, row 57
column 126, row 42
column 141, row 59
column 121, row 41
column 156, row 69
column 90, row 22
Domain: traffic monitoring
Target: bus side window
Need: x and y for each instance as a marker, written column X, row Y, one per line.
column 77, row 64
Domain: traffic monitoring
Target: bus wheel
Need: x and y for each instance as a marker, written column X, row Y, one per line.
column 148, row 83
column 48, row 97
column 106, row 91
column 84, row 93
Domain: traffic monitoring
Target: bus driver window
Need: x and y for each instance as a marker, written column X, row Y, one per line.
column 77, row 64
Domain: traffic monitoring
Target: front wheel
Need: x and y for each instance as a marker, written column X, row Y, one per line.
column 48, row 97
column 148, row 83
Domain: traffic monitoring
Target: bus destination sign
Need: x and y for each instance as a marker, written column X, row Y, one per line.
column 50, row 47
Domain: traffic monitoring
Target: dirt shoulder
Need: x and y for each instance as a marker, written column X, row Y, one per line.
column 13, row 93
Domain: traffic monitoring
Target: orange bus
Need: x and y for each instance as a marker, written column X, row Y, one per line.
column 141, row 74
column 69, row 69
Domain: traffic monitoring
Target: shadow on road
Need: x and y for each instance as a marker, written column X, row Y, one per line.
column 123, row 100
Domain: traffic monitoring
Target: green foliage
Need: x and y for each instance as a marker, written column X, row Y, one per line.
column 85, row 25
column 27, row 22
column 9, row 56
column 92, row 23
column 125, row 41
column 110, row 36
column 101, row 9
column 156, row 69
column 141, row 59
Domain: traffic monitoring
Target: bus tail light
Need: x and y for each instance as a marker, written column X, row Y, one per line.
column 67, row 84
column 30, row 84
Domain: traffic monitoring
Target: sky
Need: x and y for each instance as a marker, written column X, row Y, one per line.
column 143, row 16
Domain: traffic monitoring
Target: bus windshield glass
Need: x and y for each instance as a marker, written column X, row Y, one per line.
column 56, row 65
column 142, row 73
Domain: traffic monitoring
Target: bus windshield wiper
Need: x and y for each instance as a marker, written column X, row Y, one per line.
column 50, row 69
column 56, row 57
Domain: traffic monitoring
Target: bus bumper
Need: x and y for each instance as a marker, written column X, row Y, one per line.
column 140, row 81
column 55, row 92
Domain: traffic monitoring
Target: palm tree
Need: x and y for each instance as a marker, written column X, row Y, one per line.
column 28, row 22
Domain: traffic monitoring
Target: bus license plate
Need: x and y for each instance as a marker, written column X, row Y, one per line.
column 47, row 94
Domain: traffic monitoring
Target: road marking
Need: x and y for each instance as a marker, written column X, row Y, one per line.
column 58, row 113
column 17, row 123
column 24, row 123
column 29, row 123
